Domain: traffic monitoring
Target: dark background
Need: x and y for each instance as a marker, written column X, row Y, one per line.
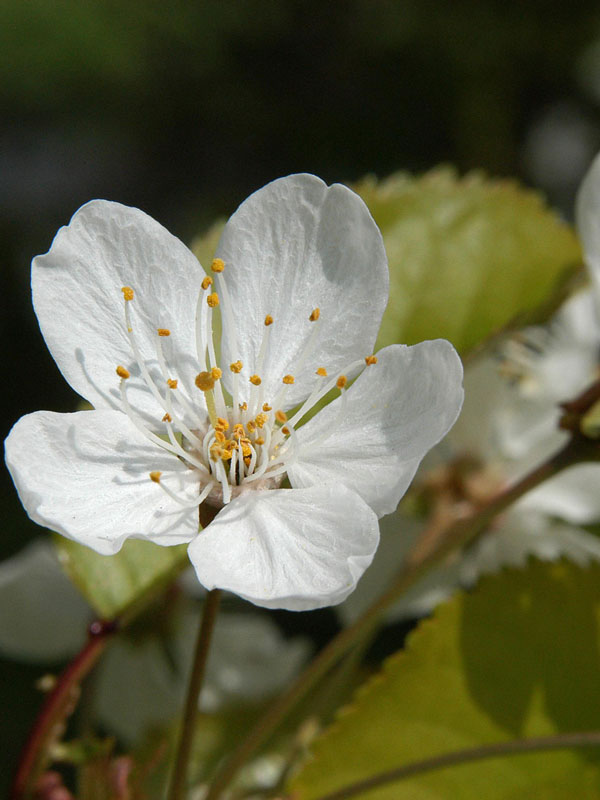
column 184, row 108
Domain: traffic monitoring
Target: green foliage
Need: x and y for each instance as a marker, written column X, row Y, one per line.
column 518, row 657
column 113, row 584
column 467, row 255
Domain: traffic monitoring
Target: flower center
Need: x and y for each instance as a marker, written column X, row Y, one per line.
column 232, row 445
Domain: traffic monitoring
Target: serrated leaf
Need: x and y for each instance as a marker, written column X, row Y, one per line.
column 518, row 657
column 113, row 584
column 467, row 255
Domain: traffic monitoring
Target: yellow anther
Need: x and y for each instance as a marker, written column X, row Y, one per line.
column 285, row 430
column 155, row 476
column 213, row 300
column 251, row 426
column 260, row 420
column 123, row 373
column 206, row 282
column 167, row 418
column 281, row 416
column 244, row 406
column 259, row 440
column 236, row 366
column 218, row 265
column 216, row 373
column 216, row 451
column 220, row 436
column 127, row 292
column 315, row 314
column 322, row 372
column 341, row 382
column 266, row 407
column 369, row 360
column 268, row 320
column 163, row 331
column 222, row 423
column 255, row 380
column 288, row 379
column 238, row 431
column 172, row 383
column 205, row 381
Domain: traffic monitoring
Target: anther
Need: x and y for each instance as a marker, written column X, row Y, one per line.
column 268, row 320
column 238, row 431
column 163, row 331
column 213, row 300
column 315, row 314
column 172, row 383
column 206, row 282
column 281, row 416
column 251, row 426
column 167, row 418
column 123, row 373
column 127, row 292
column 216, row 373
column 236, row 366
column 370, row 360
column 260, row 419
column 205, row 381
column 285, row 430
column 218, row 265
column 254, row 379
column 155, row 476
column 322, row 372
column 341, row 382
column 220, row 436
column 222, row 423
column 244, row 406
column 259, row 440
column 288, row 379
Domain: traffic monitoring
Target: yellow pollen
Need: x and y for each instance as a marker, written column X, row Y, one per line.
column 322, row 372
column 251, row 426
column 220, row 436
column 222, row 423
column 266, row 407
column 243, row 406
column 238, row 431
column 285, row 430
column 236, row 366
column 127, row 292
column 206, row 282
column 213, row 300
column 260, row 420
column 123, row 373
column 216, row 451
column 288, row 379
column 341, row 382
column 155, row 476
column 216, row 373
column 369, row 360
column 163, row 331
column 268, row 320
column 281, row 416
column 167, row 418
column 259, row 440
column 204, row 381
column 315, row 314
column 172, row 383
column 255, row 380
column 218, row 265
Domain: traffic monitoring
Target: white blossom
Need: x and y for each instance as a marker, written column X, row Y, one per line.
column 300, row 280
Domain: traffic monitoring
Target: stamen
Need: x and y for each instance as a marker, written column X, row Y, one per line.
column 216, row 373
column 172, row 383
column 341, row 382
column 167, row 418
column 288, row 379
column 317, row 394
column 213, row 300
column 236, row 367
column 163, row 331
column 127, row 293
column 315, row 314
column 268, row 320
column 123, row 373
column 266, row 407
column 254, row 379
column 205, row 381
column 322, row 372
column 370, row 360
column 281, row 416
column 206, row 282
column 155, row 477
column 285, row 430
column 218, row 265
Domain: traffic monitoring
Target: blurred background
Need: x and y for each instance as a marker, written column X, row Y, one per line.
column 183, row 109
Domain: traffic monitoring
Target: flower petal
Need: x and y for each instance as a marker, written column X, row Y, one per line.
column 85, row 475
column 573, row 495
column 77, row 297
column 42, row 616
column 296, row 549
column 393, row 414
column 588, row 218
column 293, row 246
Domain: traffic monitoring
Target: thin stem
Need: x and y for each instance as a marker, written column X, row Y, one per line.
column 56, row 707
column 177, row 789
column 561, row 741
column 457, row 534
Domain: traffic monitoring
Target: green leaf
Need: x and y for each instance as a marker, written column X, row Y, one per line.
column 467, row 255
column 113, row 584
column 517, row 657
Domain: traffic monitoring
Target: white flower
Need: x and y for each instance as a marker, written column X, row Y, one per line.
column 301, row 282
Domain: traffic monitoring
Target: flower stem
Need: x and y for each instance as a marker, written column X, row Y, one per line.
column 456, row 534
column 57, row 707
column 560, row 741
column 177, row 789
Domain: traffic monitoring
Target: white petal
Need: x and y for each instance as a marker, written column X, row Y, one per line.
column 293, row 246
column 573, row 495
column 395, row 412
column 295, row 549
column 85, row 475
column 80, row 307
column 42, row 616
column 588, row 218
